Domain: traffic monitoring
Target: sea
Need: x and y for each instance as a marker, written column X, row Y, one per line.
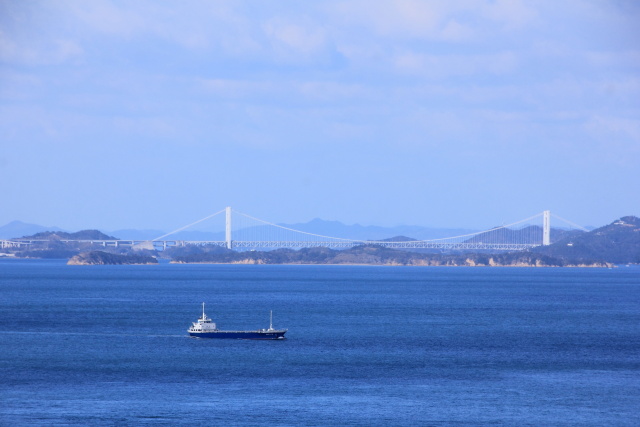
column 366, row 345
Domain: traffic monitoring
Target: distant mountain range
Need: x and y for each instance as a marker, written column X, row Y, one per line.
column 373, row 232
column 18, row 229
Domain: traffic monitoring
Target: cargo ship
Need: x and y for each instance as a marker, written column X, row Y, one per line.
column 206, row 328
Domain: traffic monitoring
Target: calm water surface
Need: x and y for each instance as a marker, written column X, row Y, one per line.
column 107, row 345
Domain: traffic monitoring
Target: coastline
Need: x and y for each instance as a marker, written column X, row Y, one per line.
column 518, row 265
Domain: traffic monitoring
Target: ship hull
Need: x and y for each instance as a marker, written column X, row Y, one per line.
column 241, row 335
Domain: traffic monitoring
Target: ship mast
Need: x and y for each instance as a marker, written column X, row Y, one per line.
column 270, row 320
column 203, row 311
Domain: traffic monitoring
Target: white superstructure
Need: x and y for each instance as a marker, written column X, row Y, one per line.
column 204, row 324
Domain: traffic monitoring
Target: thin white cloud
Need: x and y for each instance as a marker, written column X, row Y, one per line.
column 104, row 16
column 44, row 52
column 299, row 39
column 439, row 66
column 510, row 14
column 435, row 20
column 237, row 89
column 619, row 133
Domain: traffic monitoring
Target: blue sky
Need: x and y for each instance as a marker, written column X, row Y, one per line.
column 152, row 114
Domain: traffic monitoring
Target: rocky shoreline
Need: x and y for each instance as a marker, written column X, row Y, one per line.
column 375, row 255
column 104, row 258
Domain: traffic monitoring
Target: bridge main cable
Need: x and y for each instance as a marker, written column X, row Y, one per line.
column 384, row 242
column 571, row 223
column 190, row 225
column 296, row 231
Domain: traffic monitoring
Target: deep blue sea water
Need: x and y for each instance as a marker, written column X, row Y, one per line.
column 107, row 345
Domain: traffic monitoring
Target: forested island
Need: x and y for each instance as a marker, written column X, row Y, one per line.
column 55, row 248
column 105, row 258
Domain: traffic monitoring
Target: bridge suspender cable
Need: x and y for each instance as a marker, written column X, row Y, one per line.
column 374, row 242
column 485, row 231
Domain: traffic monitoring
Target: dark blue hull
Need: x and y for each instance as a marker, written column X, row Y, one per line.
column 241, row 335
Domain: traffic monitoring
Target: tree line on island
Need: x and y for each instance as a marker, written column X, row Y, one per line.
column 105, row 258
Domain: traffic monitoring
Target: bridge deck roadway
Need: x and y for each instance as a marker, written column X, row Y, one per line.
column 293, row 244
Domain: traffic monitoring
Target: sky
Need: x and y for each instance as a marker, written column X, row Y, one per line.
column 153, row 114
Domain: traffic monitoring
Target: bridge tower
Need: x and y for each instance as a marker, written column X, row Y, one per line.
column 546, row 228
column 228, row 228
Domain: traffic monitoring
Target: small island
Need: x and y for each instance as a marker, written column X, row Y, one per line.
column 104, row 258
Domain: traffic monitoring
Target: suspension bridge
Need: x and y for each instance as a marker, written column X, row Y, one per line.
column 243, row 232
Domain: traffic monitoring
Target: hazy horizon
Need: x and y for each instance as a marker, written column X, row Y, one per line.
column 208, row 228
column 316, row 225
column 154, row 114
